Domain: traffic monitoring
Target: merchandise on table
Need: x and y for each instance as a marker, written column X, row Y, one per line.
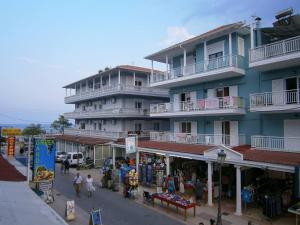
column 175, row 198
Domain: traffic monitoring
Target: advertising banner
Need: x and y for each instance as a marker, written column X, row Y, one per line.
column 43, row 159
column 11, row 132
column 130, row 145
column 70, row 210
column 11, row 146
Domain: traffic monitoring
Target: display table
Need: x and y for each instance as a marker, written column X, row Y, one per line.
column 295, row 209
column 175, row 200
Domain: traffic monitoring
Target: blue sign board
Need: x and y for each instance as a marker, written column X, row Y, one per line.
column 43, row 159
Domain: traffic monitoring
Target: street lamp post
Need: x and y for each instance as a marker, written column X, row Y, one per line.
column 220, row 159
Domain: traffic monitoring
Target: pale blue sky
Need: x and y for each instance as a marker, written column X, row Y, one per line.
column 47, row 44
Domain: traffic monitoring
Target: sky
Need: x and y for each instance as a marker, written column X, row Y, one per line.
column 45, row 45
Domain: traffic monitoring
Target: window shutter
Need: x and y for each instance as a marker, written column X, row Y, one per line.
column 176, row 102
column 194, row 128
column 234, row 133
column 241, row 47
column 277, row 88
column 217, row 132
column 233, row 90
column 176, row 127
column 211, row 93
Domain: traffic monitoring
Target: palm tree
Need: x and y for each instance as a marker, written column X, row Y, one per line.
column 60, row 124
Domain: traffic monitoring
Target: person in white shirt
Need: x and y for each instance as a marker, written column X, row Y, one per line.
column 77, row 182
column 89, row 185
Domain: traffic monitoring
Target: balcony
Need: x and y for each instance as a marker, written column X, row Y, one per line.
column 269, row 143
column 276, row 55
column 108, row 113
column 118, row 89
column 230, row 105
column 202, row 139
column 209, row 70
column 95, row 133
column 283, row 102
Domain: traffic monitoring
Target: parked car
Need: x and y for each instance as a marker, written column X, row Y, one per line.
column 60, row 156
column 107, row 164
column 75, row 157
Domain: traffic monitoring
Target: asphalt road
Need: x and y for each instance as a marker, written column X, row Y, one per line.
column 115, row 209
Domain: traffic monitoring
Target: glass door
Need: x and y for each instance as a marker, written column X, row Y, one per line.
column 226, row 132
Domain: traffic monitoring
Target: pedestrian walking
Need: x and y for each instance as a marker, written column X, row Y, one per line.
column 67, row 166
column 89, row 185
column 77, row 182
column 62, row 167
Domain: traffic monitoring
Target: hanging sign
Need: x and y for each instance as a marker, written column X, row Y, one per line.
column 130, row 145
column 95, row 218
column 43, row 159
column 11, row 146
column 11, row 132
column 70, row 210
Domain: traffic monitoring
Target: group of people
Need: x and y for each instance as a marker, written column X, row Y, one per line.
column 78, row 182
column 65, row 166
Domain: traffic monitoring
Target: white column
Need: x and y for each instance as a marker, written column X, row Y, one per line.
column 94, row 155
column 75, row 89
column 238, row 210
column 230, row 50
column 167, row 165
column 119, row 76
column 114, row 157
column 184, row 61
column 70, row 91
column 133, row 78
column 66, row 92
column 109, row 80
column 167, row 63
column 251, row 35
column 80, row 86
column 205, row 55
column 65, row 146
column 101, row 81
column 209, row 184
column 151, row 67
column 72, row 146
column 93, row 84
column 86, row 85
column 137, row 160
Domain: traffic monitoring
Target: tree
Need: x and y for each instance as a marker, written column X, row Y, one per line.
column 60, row 124
column 33, row 129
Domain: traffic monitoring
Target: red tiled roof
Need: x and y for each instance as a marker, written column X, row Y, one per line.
column 8, row 172
column 82, row 140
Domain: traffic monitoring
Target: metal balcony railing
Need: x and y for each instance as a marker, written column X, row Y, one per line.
column 203, row 139
column 229, row 102
column 275, row 49
column 275, row 98
column 236, row 61
column 285, row 144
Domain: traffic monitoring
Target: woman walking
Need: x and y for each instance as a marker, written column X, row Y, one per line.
column 89, row 185
column 77, row 182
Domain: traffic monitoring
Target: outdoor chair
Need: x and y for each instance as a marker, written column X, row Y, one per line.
column 147, row 197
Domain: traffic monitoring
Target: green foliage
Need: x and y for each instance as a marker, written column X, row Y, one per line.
column 33, row 129
column 60, row 124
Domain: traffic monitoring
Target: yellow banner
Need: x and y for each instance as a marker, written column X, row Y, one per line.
column 11, row 132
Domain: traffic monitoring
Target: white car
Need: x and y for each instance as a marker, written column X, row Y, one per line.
column 60, row 156
column 74, row 158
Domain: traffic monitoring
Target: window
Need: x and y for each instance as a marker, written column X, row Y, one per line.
column 103, row 122
column 138, row 105
column 83, row 108
column 95, row 107
column 215, row 55
column 241, row 47
column 292, row 86
column 186, row 127
column 82, row 126
column 77, row 106
column 100, row 106
column 185, row 97
column 222, row 92
column 95, row 126
column 138, row 127
column 138, row 83
column 156, row 126
column 99, row 126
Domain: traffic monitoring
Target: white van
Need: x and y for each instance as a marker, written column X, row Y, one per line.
column 72, row 158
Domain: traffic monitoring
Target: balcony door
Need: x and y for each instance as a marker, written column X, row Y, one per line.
column 226, row 133
column 292, row 86
column 292, row 135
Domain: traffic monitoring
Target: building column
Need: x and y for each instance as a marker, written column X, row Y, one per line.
column 238, row 210
column 119, row 77
column 209, row 184
column 133, row 78
column 86, row 85
column 230, row 49
column 114, row 157
column 66, row 92
column 65, row 146
column 167, row 63
column 70, row 91
column 94, row 155
column 93, row 84
column 205, row 56
column 80, row 86
column 137, row 160
column 167, row 165
column 72, row 146
column 75, row 89
column 101, row 84
column 184, row 61
column 109, row 80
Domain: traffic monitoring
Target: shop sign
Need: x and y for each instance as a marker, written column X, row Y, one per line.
column 11, row 132
column 43, row 159
column 11, row 146
column 130, row 145
column 70, row 210
column 95, row 218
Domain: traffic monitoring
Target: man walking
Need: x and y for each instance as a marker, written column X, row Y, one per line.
column 67, row 166
column 77, row 182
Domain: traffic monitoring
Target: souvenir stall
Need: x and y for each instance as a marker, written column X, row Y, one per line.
column 129, row 179
column 152, row 169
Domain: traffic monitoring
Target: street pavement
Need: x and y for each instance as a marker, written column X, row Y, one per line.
column 115, row 209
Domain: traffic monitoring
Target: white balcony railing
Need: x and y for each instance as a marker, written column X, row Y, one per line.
column 121, row 112
column 275, row 49
column 285, row 144
column 236, row 61
column 108, row 90
column 230, row 102
column 104, row 134
column 281, row 98
column 202, row 139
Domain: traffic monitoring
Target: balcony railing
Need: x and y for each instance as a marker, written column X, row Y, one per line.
column 281, row 98
column 285, row 144
column 108, row 113
column 104, row 134
column 230, row 102
column 200, row 67
column 275, row 49
column 202, row 139
column 106, row 90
